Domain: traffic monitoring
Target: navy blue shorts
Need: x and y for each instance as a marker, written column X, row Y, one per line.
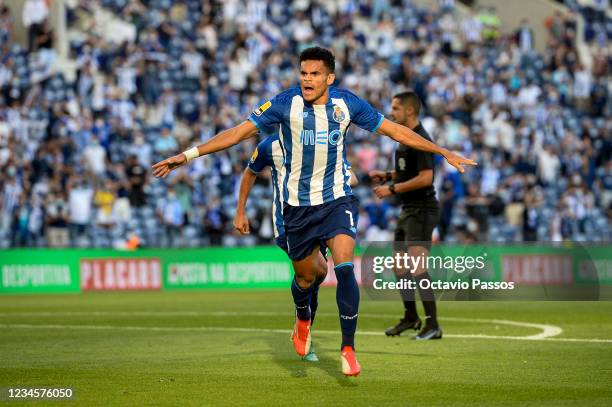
column 281, row 242
column 307, row 226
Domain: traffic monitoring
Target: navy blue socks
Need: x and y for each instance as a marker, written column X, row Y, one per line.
column 347, row 298
column 301, row 298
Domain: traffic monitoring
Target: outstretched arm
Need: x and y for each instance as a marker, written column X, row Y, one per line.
column 407, row 137
column 221, row 141
column 241, row 222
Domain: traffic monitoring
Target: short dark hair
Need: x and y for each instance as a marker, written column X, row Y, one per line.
column 409, row 99
column 319, row 54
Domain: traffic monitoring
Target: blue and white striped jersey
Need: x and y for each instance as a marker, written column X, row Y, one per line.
column 313, row 141
column 269, row 154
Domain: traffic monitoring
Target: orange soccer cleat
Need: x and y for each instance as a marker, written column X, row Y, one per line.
column 350, row 366
column 301, row 337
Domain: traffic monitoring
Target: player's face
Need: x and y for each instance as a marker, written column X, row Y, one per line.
column 315, row 78
column 398, row 111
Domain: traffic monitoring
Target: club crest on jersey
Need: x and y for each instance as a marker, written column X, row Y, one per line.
column 259, row 111
column 339, row 115
column 254, row 156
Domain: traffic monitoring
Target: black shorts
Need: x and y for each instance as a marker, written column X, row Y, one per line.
column 307, row 226
column 416, row 224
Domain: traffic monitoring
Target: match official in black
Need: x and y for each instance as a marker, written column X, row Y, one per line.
column 412, row 182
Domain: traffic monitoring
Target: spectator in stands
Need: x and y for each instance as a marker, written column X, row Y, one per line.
column 57, row 220
column 34, row 15
column 530, row 220
column 491, row 22
column 548, row 165
column 214, row 222
column 122, row 210
column 171, row 214
column 94, row 156
column 6, row 24
column 166, row 144
column 524, row 37
column 471, row 29
column 104, row 200
column 183, row 185
column 80, row 196
column 583, row 83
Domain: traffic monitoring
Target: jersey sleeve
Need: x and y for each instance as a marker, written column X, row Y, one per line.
column 269, row 114
column 262, row 156
column 363, row 114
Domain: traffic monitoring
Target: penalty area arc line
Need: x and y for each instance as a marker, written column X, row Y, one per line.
column 547, row 331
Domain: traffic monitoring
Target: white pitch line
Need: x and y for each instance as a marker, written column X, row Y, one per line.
column 279, row 331
column 548, row 331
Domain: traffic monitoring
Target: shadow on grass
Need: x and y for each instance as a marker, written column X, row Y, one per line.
column 399, row 352
column 282, row 354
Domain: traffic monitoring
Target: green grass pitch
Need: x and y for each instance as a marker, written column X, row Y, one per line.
column 233, row 348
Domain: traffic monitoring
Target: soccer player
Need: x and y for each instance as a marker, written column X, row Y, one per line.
column 269, row 154
column 319, row 207
column 412, row 181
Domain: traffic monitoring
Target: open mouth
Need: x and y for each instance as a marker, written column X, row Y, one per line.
column 308, row 88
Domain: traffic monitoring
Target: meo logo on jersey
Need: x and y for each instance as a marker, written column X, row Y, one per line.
column 307, row 137
column 259, row 111
column 339, row 115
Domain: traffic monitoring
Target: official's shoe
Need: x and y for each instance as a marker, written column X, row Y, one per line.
column 428, row 333
column 311, row 356
column 402, row 326
column 301, row 337
column 350, row 366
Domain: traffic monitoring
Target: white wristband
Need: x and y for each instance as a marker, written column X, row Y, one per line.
column 191, row 153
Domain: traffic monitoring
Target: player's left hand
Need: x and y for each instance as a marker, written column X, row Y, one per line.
column 458, row 161
column 382, row 191
column 241, row 224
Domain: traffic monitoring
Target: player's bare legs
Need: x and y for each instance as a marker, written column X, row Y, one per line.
column 342, row 248
column 347, row 297
column 306, row 269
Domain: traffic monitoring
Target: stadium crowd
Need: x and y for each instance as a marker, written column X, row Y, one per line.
column 76, row 155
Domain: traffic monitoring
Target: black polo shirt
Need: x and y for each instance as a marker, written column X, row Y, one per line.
column 408, row 163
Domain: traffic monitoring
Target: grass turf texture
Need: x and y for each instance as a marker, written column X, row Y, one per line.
column 174, row 361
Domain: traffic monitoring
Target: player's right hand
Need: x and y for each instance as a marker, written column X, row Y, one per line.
column 458, row 161
column 241, row 224
column 163, row 168
column 377, row 176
